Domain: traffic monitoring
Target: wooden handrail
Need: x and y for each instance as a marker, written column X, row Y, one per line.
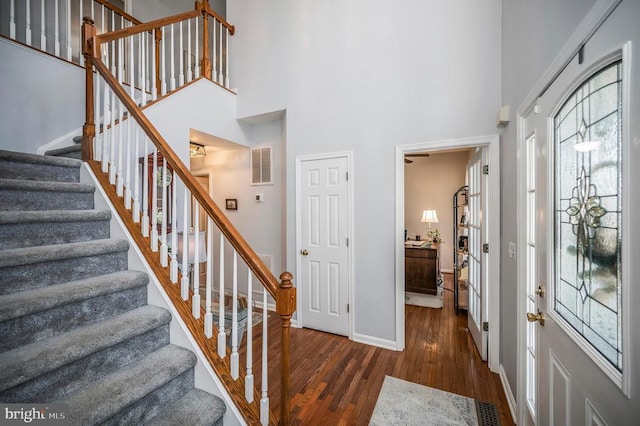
column 119, row 11
column 207, row 9
column 145, row 27
column 245, row 251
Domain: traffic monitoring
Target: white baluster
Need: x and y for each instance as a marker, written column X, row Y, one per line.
column 121, row 55
column 163, row 64
column 226, row 61
column 214, row 63
column 105, row 141
column 112, row 141
column 119, row 174
column 145, row 191
column 164, row 248
column 189, row 69
column 172, row 81
column 28, row 23
column 264, row 401
column 99, row 141
column 43, row 31
column 127, row 164
column 93, row 11
column 68, row 38
column 197, row 70
column 248, row 379
column 80, row 19
column 136, row 182
column 184, row 284
column 130, row 121
column 222, row 337
column 12, row 19
column 235, row 358
column 143, row 70
column 208, row 316
column 173, row 270
column 181, row 75
column 220, row 76
column 154, row 202
column 113, row 53
column 56, row 31
column 195, row 300
column 154, row 88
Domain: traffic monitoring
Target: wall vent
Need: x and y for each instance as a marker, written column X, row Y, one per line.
column 261, row 166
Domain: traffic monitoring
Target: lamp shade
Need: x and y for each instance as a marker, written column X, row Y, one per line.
column 191, row 247
column 429, row 216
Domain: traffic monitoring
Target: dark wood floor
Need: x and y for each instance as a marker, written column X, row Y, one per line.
column 336, row 381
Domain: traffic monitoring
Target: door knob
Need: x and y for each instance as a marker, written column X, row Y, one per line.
column 304, row 252
column 540, row 291
column 536, row 317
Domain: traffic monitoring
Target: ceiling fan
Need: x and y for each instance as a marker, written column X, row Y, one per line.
column 407, row 161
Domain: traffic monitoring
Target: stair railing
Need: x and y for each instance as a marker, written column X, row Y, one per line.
column 53, row 26
column 161, row 203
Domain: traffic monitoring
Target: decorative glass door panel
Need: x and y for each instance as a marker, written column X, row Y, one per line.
column 588, row 209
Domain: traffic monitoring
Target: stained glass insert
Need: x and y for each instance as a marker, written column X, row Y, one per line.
column 588, row 212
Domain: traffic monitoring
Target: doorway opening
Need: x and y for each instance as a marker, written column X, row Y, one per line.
column 490, row 238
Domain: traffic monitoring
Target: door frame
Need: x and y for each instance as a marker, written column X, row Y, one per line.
column 492, row 142
column 348, row 155
column 598, row 13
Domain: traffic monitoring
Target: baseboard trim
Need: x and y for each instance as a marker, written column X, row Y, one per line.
column 507, row 392
column 375, row 341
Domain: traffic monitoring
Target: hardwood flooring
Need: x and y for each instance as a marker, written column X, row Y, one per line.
column 335, row 381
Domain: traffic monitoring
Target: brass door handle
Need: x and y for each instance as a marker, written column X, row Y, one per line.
column 536, row 317
column 304, row 252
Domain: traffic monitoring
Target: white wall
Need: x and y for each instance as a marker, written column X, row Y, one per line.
column 429, row 183
column 367, row 76
column 533, row 34
column 37, row 107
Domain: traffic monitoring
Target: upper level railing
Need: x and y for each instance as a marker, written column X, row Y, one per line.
column 175, row 223
column 168, row 54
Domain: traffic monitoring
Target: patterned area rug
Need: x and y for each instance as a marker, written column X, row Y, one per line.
column 405, row 403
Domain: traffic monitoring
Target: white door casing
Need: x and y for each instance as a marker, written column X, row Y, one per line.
column 576, row 384
column 492, row 216
column 477, row 282
column 324, row 264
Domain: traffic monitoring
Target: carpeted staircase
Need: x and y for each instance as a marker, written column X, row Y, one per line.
column 75, row 326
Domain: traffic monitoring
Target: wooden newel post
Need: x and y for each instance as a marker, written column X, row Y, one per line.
column 89, row 128
column 285, row 307
column 206, row 63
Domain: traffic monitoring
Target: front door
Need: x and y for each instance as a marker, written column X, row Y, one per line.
column 477, row 314
column 323, row 251
column 583, row 341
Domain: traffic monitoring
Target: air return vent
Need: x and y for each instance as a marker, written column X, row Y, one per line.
column 261, row 166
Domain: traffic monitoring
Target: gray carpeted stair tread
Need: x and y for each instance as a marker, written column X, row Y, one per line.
column 38, row 167
column 23, row 303
column 49, row 186
column 27, row 362
column 23, row 157
column 64, row 150
column 196, row 408
column 115, row 392
column 40, row 254
column 20, row 229
column 52, row 216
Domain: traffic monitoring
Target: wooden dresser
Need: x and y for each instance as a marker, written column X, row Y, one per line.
column 421, row 270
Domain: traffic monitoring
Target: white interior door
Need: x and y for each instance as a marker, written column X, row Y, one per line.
column 477, row 285
column 324, row 258
column 583, row 347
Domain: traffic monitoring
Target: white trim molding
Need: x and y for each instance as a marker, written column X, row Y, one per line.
column 511, row 399
column 492, row 142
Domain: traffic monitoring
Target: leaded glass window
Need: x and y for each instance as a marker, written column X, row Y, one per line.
column 588, row 212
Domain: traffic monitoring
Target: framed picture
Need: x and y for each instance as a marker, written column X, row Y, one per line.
column 232, row 203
